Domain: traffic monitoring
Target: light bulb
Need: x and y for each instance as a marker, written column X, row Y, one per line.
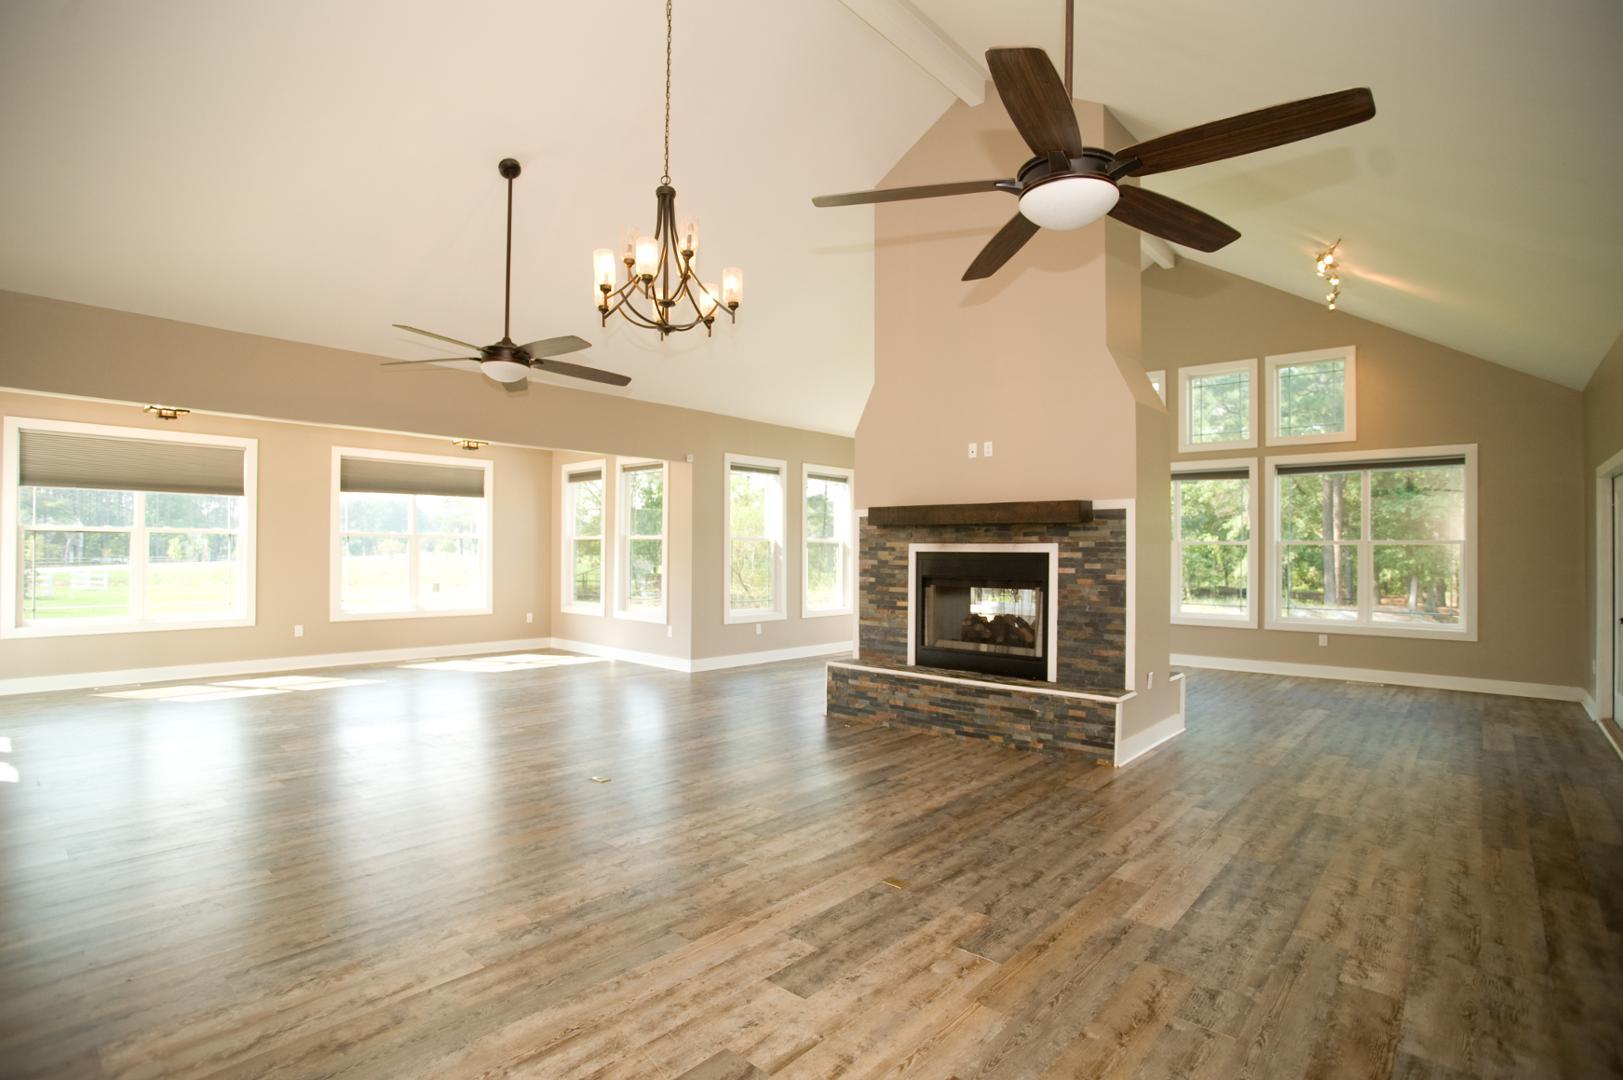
column 603, row 269
column 1329, row 258
column 708, row 298
column 690, row 236
column 1335, row 279
column 1332, row 305
column 732, row 286
column 647, row 256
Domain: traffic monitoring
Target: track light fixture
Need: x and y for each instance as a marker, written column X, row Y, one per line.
column 1328, row 267
column 167, row 412
column 469, row 444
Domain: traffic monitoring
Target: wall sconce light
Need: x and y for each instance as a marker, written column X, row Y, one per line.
column 167, row 412
column 470, row 444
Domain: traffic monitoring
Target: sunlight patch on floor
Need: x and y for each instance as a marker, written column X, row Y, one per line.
column 188, row 692
column 296, row 682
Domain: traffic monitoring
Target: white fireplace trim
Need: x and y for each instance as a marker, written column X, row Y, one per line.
column 1051, row 550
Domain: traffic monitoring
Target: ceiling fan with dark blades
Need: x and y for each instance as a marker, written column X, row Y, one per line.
column 1067, row 185
column 506, row 362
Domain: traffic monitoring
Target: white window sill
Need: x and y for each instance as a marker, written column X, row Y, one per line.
column 1333, row 626
column 581, row 609
column 825, row 613
column 1233, row 622
column 1308, row 440
column 68, row 629
column 742, row 617
column 377, row 616
column 655, row 616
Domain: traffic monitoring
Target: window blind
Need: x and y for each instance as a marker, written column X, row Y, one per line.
column 394, row 477
column 828, row 478
column 585, row 476
column 1212, row 474
column 650, row 466
column 122, row 463
column 1359, row 466
column 764, row 470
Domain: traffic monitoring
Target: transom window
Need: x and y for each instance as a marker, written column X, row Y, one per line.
column 1376, row 546
column 583, row 538
column 115, row 529
column 755, row 539
column 642, row 524
column 1312, row 397
column 1213, row 561
column 827, row 588
column 412, row 535
column 1217, row 406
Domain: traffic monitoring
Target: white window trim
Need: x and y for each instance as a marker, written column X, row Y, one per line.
column 10, row 527
column 622, row 543
column 1349, row 394
column 1248, row 621
column 1185, row 374
column 848, row 567
column 1363, row 459
column 566, row 545
column 335, row 575
column 780, row 574
column 1158, row 377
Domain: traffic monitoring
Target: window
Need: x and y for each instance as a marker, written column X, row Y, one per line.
column 411, row 535
column 1312, row 397
column 583, row 538
column 826, row 565
column 642, row 521
column 1217, row 406
column 111, row 529
column 1376, row 543
column 755, row 528
column 1214, row 518
column 1158, row 382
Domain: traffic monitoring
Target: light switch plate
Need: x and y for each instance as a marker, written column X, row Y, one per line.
column 986, row 448
column 298, row 629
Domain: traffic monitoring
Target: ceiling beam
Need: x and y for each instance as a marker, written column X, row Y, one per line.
column 1153, row 249
column 921, row 40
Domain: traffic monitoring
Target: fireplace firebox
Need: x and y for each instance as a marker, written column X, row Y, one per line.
column 982, row 611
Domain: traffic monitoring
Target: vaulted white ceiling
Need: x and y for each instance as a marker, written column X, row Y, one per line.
column 318, row 169
column 1482, row 208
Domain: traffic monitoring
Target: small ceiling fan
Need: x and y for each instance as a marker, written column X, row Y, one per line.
column 1068, row 185
column 505, row 362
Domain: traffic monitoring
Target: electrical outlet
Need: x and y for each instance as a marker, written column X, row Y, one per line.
column 758, row 629
column 974, row 449
column 986, row 448
column 529, row 616
column 298, row 629
column 1324, row 639
column 1149, row 684
column 670, row 631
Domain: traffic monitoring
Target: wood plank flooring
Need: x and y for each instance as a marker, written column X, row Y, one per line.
column 410, row 873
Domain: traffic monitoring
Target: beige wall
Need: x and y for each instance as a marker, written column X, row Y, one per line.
column 1411, row 393
column 294, row 549
column 1603, row 438
column 125, row 357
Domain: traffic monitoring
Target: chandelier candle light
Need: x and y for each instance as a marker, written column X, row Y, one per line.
column 1328, row 265
column 659, row 268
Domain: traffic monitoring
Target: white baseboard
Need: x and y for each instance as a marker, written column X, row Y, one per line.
column 770, row 656
column 39, row 684
column 1136, row 746
column 1547, row 691
column 630, row 656
column 1590, row 707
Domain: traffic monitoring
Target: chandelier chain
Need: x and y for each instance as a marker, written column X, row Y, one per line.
column 667, row 177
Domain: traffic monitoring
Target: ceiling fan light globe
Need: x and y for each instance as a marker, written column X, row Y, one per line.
column 506, row 371
column 1068, row 202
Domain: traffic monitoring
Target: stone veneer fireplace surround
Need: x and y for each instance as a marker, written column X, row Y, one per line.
column 1078, row 709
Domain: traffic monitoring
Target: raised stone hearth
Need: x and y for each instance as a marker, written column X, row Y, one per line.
column 1076, row 709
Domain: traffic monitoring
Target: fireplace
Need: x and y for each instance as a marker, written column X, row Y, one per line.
column 985, row 610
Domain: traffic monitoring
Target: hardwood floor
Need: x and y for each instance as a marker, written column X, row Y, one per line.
column 415, row 875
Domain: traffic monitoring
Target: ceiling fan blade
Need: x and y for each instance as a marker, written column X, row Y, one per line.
column 556, row 346
column 1036, row 99
column 923, row 191
column 1250, row 132
column 1001, row 248
column 581, row 371
column 1172, row 220
column 438, row 337
column 437, row 360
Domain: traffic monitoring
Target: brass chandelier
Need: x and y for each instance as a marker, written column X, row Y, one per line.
column 662, row 290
